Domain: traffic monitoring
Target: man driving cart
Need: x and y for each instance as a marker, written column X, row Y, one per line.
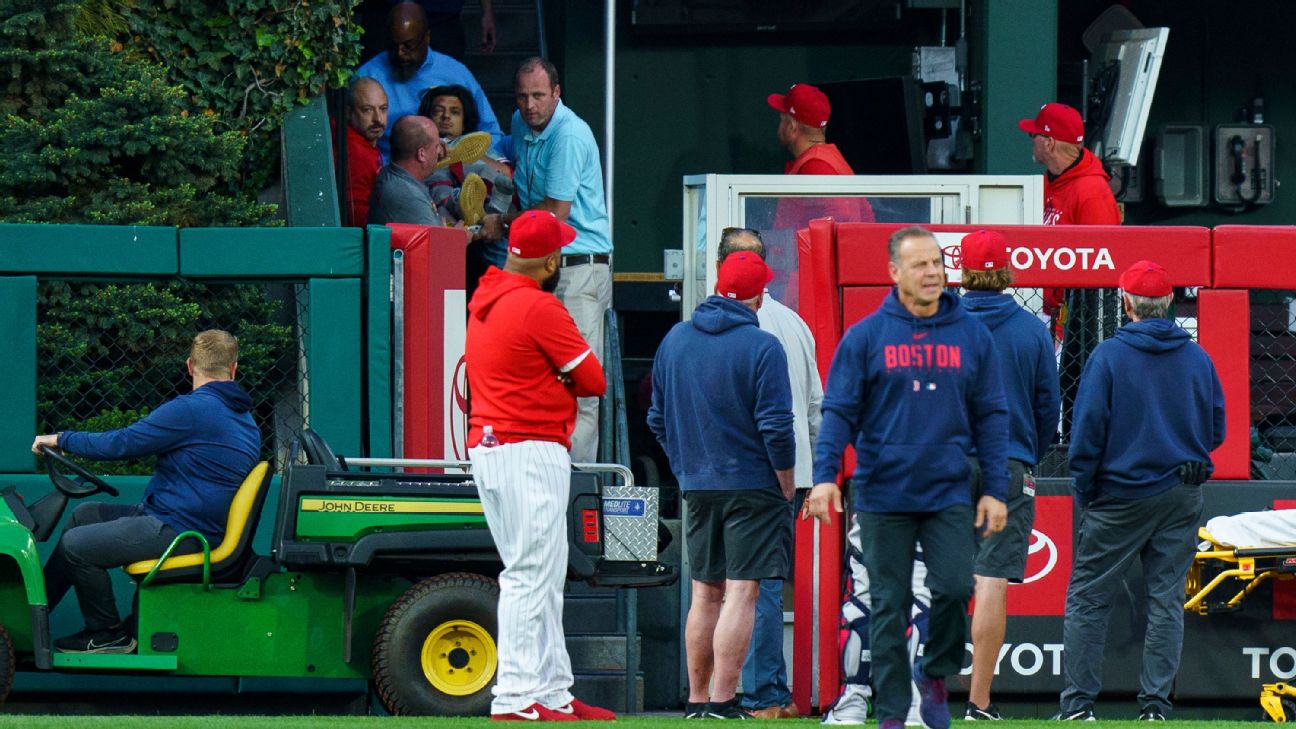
column 205, row 441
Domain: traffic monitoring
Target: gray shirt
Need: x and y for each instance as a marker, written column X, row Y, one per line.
column 400, row 198
column 803, row 372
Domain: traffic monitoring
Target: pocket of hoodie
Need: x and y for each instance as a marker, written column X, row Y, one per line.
column 920, row 464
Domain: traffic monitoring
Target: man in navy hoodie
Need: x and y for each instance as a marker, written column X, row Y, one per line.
column 1030, row 380
column 205, row 442
column 1148, row 413
column 722, row 410
column 915, row 387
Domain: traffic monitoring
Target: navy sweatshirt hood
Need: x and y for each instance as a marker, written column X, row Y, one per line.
column 1029, row 368
column 717, row 314
column 722, row 402
column 231, row 394
column 1153, row 336
column 915, row 395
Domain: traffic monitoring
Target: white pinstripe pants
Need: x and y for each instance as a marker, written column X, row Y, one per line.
column 524, row 490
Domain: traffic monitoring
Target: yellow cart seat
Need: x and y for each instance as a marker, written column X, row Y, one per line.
column 231, row 555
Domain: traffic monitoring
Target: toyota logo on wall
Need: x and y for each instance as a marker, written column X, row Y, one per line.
column 1040, row 542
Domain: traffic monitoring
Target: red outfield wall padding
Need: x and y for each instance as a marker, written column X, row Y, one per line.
column 1223, row 329
column 434, row 283
column 1065, row 256
column 1255, row 256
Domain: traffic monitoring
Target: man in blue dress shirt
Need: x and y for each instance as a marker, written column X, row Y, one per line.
column 410, row 67
column 557, row 168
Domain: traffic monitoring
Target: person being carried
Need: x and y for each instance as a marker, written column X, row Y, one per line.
column 205, row 442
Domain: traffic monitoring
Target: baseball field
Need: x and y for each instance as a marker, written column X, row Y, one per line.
column 364, row 722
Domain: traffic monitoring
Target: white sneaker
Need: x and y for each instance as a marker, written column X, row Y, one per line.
column 914, row 718
column 851, row 708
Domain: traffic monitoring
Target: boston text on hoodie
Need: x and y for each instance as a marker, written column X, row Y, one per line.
column 1149, row 401
column 722, row 404
column 1029, row 371
column 205, row 442
column 915, row 394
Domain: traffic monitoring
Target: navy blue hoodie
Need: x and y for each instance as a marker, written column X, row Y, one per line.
column 915, row 394
column 721, row 403
column 1149, row 401
column 206, row 443
column 1029, row 370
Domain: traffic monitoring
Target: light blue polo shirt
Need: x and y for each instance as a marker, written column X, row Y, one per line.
column 403, row 97
column 562, row 163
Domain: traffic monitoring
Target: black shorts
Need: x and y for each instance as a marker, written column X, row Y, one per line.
column 743, row 534
column 1004, row 554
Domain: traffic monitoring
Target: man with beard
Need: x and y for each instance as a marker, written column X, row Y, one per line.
column 410, row 67
column 366, row 122
column 527, row 364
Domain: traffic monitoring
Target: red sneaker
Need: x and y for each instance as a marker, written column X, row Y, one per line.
column 535, row 712
column 585, row 712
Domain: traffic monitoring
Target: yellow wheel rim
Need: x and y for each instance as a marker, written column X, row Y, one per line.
column 459, row 658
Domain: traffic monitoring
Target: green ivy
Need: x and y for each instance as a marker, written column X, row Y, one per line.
column 248, row 62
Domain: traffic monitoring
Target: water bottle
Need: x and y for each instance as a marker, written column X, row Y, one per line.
column 488, row 439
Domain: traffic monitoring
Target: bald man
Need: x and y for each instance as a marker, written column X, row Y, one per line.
column 399, row 195
column 410, row 67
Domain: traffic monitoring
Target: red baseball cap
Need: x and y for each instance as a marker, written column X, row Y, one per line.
column 806, row 103
column 537, row 233
column 1145, row 278
column 1058, row 121
column 743, row 276
column 984, row 250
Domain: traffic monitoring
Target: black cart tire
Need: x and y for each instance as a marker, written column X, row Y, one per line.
column 6, row 665
column 435, row 652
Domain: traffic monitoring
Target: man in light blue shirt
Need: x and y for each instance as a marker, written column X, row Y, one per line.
column 410, row 67
column 557, row 168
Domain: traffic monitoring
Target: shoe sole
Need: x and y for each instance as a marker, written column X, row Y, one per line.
column 128, row 648
column 472, row 200
column 468, row 148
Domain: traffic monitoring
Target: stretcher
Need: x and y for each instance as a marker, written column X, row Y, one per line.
column 1234, row 572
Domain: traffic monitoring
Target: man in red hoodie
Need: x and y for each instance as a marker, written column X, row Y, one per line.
column 527, row 364
column 366, row 122
column 1077, row 190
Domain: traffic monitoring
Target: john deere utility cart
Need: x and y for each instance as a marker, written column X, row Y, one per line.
column 376, row 573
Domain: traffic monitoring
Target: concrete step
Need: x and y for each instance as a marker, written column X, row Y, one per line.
column 598, row 652
column 607, row 690
column 589, row 614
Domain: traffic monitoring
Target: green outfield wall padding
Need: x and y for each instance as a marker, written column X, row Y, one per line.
column 132, row 250
column 333, row 351
column 310, row 185
column 378, row 342
column 1015, row 56
column 18, row 386
column 271, row 252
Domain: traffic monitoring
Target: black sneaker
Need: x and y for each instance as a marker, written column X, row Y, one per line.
column 695, row 711
column 726, row 710
column 1151, row 713
column 1077, row 715
column 110, row 640
column 976, row 713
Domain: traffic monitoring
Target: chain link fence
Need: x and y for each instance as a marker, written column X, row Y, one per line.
column 1273, row 385
column 109, row 353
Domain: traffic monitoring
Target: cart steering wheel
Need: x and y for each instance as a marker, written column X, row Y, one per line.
column 87, row 484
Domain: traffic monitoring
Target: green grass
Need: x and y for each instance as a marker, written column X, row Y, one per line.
column 366, row 722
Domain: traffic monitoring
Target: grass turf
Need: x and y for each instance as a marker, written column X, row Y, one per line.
column 369, row 722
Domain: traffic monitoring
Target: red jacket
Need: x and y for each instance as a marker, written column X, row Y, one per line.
column 363, row 163
column 520, row 339
column 820, row 159
column 1081, row 195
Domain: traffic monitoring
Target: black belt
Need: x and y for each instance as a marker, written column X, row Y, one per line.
column 581, row 259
